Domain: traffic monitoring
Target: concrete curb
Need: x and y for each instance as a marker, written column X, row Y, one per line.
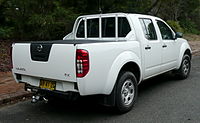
column 11, row 98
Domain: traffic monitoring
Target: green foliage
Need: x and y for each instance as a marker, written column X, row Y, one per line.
column 39, row 19
column 5, row 32
column 175, row 25
column 189, row 27
column 53, row 19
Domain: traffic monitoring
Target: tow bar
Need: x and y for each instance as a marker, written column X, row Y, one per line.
column 37, row 98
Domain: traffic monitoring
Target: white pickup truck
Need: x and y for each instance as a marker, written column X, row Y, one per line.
column 106, row 55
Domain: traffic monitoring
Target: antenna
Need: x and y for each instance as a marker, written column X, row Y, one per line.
column 100, row 5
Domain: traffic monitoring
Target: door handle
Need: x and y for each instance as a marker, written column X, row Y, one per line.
column 164, row 46
column 147, row 48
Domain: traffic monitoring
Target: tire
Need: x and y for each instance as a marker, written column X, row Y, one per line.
column 184, row 70
column 126, row 92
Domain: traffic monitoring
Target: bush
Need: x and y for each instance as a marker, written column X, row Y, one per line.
column 189, row 27
column 175, row 25
column 36, row 20
column 5, row 32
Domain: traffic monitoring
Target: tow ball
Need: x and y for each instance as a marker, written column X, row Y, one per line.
column 36, row 98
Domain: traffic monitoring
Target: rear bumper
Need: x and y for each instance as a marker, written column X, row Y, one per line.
column 34, row 82
column 66, row 95
column 82, row 86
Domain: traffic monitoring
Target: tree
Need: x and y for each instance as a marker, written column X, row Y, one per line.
column 47, row 20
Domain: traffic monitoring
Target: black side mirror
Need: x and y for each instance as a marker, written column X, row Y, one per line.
column 179, row 35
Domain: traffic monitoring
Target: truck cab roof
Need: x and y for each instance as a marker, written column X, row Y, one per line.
column 99, row 22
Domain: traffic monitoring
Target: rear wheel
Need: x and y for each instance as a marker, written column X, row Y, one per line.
column 184, row 70
column 126, row 92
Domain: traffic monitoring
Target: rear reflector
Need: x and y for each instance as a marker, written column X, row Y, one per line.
column 82, row 62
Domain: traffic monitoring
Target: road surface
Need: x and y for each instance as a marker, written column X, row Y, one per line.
column 163, row 99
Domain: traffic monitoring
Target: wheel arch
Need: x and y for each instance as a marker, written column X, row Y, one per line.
column 126, row 61
column 134, row 68
column 185, row 49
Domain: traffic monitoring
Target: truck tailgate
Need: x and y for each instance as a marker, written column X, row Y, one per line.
column 45, row 60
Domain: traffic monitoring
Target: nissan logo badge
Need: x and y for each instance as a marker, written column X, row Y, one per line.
column 39, row 48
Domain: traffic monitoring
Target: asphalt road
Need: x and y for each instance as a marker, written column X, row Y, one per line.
column 163, row 99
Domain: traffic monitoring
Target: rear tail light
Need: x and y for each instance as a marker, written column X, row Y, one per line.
column 82, row 62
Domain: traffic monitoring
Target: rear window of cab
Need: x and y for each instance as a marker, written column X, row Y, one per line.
column 107, row 27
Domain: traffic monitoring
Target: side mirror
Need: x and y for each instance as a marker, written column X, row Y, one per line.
column 179, row 35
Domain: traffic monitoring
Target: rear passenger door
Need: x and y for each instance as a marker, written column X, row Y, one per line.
column 152, row 48
column 169, row 46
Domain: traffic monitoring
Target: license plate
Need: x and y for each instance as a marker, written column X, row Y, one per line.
column 46, row 84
